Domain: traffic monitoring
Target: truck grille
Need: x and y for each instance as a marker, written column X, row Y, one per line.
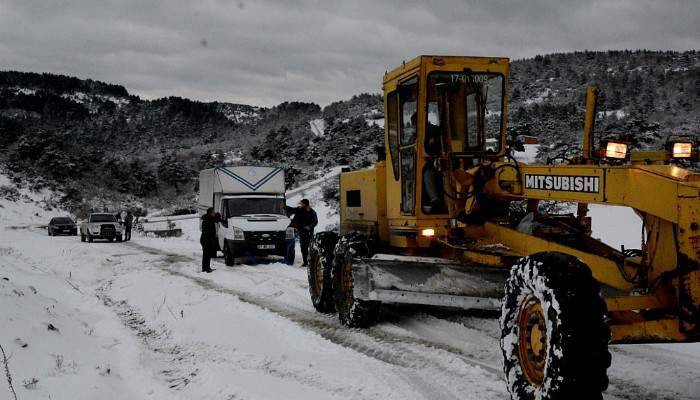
column 107, row 230
column 264, row 236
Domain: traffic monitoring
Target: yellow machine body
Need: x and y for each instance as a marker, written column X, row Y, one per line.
column 653, row 296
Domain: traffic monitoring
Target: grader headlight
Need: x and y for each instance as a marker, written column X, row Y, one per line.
column 682, row 150
column 615, row 150
column 428, row 232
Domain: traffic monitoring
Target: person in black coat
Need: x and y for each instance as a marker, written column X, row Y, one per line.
column 128, row 222
column 208, row 239
column 305, row 220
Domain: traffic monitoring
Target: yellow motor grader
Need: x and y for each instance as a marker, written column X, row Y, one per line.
column 450, row 218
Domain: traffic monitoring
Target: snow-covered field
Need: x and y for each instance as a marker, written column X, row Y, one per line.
column 137, row 320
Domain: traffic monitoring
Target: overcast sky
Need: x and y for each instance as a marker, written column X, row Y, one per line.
column 263, row 52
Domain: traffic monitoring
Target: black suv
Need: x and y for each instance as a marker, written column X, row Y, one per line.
column 62, row 226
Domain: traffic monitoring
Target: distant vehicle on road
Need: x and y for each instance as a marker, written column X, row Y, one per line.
column 62, row 226
column 101, row 226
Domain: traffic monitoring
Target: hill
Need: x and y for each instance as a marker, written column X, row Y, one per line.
column 101, row 145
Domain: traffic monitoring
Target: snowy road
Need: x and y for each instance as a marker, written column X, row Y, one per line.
column 136, row 320
column 141, row 311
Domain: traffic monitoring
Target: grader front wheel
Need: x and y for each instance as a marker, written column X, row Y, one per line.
column 352, row 312
column 532, row 340
column 554, row 337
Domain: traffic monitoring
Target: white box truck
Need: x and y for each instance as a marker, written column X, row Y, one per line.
column 251, row 202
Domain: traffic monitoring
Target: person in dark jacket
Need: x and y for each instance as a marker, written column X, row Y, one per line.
column 128, row 222
column 305, row 220
column 208, row 239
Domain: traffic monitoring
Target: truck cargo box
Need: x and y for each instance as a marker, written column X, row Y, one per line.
column 239, row 180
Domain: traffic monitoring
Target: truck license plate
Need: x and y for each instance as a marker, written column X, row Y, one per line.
column 266, row 246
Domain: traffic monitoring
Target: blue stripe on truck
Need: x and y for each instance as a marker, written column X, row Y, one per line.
column 250, row 185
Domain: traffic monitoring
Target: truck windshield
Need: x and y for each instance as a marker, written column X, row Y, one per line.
column 103, row 218
column 237, row 207
column 63, row 221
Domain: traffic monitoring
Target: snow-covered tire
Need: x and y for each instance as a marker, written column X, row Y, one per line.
column 320, row 271
column 554, row 335
column 229, row 257
column 352, row 312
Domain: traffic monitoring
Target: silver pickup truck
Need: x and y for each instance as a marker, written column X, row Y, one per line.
column 101, row 226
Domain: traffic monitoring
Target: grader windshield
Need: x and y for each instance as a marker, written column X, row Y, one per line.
column 464, row 113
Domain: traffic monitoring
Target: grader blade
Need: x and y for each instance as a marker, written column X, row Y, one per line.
column 427, row 281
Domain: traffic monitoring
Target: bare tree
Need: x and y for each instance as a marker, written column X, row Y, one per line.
column 7, row 372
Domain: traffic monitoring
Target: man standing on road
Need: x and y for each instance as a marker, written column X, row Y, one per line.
column 208, row 239
column 305, row 220
column 128, row 222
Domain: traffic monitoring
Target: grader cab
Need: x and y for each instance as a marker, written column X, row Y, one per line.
column 451, row 219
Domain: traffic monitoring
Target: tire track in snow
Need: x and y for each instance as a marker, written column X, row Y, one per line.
column 402, row 351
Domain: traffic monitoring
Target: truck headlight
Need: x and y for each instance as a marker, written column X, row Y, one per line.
column 238, row 234
column 289, row 233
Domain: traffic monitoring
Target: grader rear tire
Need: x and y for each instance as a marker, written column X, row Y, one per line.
column 554, row 335
column 352, row 312
column 320, row 271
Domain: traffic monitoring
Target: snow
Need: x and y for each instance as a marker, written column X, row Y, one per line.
column 375, row 122
column 616, row 226
column 528, row 156
column 547, row 92
column 231, row 157
column 25, row 91
column 119, row 101
column 76, row 97
column 374, row 118
column 241, row 116
column 619, row 114
column 137, row 320
column 318, row 126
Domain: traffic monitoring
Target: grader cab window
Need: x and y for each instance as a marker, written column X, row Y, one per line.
column 408, row 112
column 464, row 112
column 392, row 106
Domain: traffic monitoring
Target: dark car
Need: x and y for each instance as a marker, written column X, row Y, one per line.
column 62, row 226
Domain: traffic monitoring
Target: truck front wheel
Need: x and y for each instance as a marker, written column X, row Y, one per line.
column 320, row 271
column 229, row 257
column 289, row 251
column 554, row 336
column 352, row 312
